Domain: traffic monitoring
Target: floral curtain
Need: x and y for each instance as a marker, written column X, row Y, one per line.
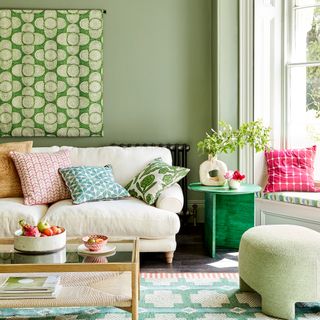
column 51, row 73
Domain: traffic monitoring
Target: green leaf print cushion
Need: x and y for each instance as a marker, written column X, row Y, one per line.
column 153, row 179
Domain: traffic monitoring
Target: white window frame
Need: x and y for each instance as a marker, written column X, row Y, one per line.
column 261, row 74
column 246, row 67
column 273, row 32
column 289, row 24
column 265, row 76
column 289, row 63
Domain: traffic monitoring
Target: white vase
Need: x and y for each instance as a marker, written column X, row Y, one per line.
column 213, row 165
column 234, row 184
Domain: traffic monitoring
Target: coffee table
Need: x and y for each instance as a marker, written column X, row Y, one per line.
column 111, row 280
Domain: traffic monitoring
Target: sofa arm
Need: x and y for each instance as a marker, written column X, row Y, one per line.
column 171, row 199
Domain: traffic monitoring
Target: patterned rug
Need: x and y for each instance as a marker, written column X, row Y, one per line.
column 176, row 296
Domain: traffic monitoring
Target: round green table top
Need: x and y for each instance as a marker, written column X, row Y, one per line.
column 245, row 188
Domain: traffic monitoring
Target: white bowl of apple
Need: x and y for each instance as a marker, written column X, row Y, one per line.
column 39, row 239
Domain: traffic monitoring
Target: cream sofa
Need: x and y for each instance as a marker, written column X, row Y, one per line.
column 155, row 225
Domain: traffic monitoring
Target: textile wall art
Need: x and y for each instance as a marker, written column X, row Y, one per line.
column 51, row 73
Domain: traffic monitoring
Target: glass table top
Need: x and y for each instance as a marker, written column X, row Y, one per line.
column 123, row 253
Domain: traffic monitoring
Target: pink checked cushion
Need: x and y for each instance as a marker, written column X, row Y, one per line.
column 290, row 170
column 40, row 179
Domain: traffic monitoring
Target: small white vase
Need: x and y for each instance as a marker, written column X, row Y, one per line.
column 234, row 184
column 213, row 164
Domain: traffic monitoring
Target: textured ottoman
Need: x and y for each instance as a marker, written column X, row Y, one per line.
column 282, row 264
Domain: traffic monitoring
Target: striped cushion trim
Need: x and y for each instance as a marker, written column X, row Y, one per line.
column 311, row 199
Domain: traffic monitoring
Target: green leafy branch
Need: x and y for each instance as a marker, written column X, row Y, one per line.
column 227, row 139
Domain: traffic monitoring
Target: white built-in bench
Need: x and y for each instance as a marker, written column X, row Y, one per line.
column 299, row 208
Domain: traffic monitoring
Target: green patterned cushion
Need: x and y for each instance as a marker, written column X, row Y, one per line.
column 153, row 179
column 311, row 199
column 92, row 184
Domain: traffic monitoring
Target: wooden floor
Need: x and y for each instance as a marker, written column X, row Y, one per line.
column 191, row 256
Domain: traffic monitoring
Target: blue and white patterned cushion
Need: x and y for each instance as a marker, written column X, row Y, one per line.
column 92, row 184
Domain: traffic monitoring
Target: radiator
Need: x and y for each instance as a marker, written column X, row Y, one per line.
column 179, row 154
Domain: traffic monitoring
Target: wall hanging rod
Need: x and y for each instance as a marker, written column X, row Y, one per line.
column 103, row 10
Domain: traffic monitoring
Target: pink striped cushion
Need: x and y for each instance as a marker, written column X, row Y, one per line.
column 290, row 170
column 40, row 179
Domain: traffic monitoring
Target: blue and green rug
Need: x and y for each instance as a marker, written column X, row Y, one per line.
column 176, row 296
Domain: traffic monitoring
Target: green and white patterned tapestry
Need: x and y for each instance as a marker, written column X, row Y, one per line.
column 51, row 73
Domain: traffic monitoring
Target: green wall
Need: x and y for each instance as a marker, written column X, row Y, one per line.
column 161, row 59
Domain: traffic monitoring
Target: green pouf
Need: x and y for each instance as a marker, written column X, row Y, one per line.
column 282, row 264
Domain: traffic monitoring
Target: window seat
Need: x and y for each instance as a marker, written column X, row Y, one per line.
column 311, row 199
column 298, row 208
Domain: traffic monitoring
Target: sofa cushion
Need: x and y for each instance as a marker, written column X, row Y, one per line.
column 10, row 185
column 125, row 217
column 290, row 170
column 126, row 162
column 88, row 183
column 154, row 178
column 12, row 210
column 40, row 179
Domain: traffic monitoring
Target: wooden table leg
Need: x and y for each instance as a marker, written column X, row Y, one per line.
column 210, row 223
column 135, row 284
column 135, row 295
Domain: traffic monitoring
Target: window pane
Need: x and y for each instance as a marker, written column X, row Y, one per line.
column 303, row 119
column 306, row 35
column 307, row 2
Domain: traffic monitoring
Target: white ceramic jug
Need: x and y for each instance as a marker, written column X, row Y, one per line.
column 210, row 165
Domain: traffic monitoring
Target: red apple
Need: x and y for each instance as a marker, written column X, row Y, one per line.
column 48, row 232
column 55, row 230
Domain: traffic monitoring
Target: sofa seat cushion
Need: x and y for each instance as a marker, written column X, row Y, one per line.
column 311, row 199
column 12, row 210
column 126, row 217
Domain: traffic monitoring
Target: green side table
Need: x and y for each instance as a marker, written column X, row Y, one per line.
column 228, row 214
